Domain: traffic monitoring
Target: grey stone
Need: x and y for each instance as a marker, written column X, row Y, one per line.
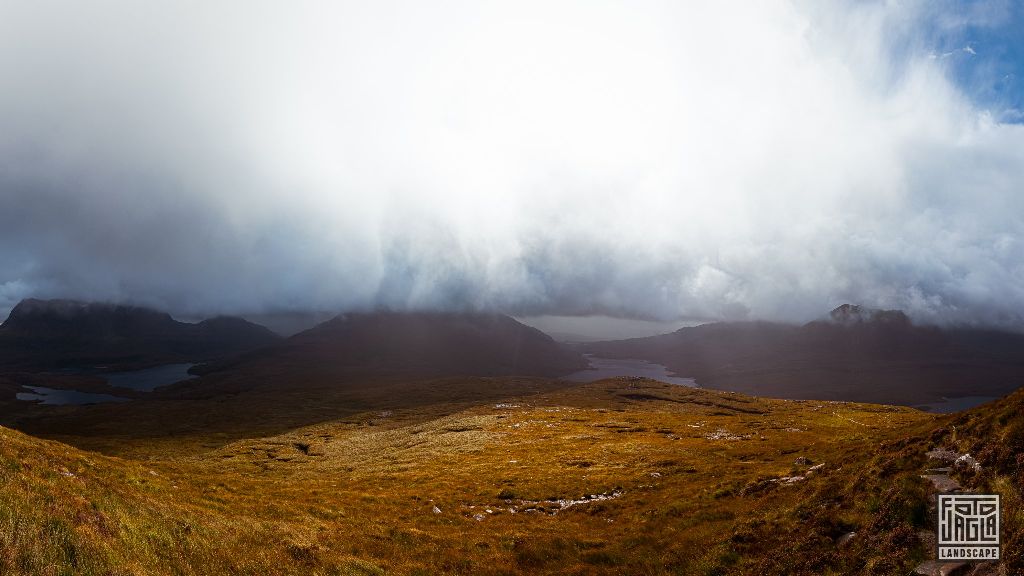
column 943, row 455
column 967, row 461
column 942, row 482
column 845, row 539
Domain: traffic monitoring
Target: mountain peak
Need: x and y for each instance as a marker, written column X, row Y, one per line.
column 36, row 315
column 850, row 314
column 477, row 343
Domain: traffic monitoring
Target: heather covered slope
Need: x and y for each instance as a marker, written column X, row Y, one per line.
column 47, row 334
column 65, row 511
column 854, row 355
column 618, row 476
column 994, row 435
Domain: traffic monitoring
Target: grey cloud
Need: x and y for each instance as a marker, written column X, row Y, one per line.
column 535, row 158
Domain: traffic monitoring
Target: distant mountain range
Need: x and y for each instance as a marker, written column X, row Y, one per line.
column 419, row 343
column 53, row 334
column 855, row 354
column 852, row 354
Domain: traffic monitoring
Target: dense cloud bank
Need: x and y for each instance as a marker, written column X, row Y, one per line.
column 643, row 159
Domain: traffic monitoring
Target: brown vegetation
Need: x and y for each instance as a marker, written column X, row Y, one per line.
column 619, row 476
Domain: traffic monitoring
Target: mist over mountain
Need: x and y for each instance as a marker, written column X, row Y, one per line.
column 645, row 161
column 852, row 354
column 71, row 334
column 415, row 343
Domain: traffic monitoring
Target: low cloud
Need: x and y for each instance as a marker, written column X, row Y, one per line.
column 645, row 160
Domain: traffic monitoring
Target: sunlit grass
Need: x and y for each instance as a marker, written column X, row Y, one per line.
column 687, row 479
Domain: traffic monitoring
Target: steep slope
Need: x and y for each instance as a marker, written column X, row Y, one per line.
column 65, row 511
column 855, row 355
column 994, row 434
column 42, row 334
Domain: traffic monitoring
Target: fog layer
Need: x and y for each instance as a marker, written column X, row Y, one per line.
column 650, row 160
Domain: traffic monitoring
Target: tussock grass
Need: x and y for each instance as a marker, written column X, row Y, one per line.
column 442, row 487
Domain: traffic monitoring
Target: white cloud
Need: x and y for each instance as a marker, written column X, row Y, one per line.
column 561, row 157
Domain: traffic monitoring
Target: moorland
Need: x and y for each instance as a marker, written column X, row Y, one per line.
column 448, row 444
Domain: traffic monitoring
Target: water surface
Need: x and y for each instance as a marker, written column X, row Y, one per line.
column 55, row 397
column 949, row 405
column 150, row 378
column 613, row 367
column 145, row 380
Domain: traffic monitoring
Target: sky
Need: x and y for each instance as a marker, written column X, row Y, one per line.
column 647, row 160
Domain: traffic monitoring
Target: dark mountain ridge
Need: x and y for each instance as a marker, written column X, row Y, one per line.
column 436, row 343
column 47, row 334
column 354, row 352
column 854, row 354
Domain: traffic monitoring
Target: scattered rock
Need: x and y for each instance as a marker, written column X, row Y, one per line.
column 723, row 434
column 762, row 485
column 942, row 482
column 967, row 461
column 436, row 510
column 943, row 455
column 478, row 517
column 550, row 506
column 655, row 475
column 845, row 539
column 802, row 461
column 568, row 502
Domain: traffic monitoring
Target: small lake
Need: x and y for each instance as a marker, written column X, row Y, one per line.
column 601, row 368
column 949, row 405
column 145, row 380
column 148, row 379
column 55, row 397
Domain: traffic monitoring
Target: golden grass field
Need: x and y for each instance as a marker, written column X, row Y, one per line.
column 620, row 476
